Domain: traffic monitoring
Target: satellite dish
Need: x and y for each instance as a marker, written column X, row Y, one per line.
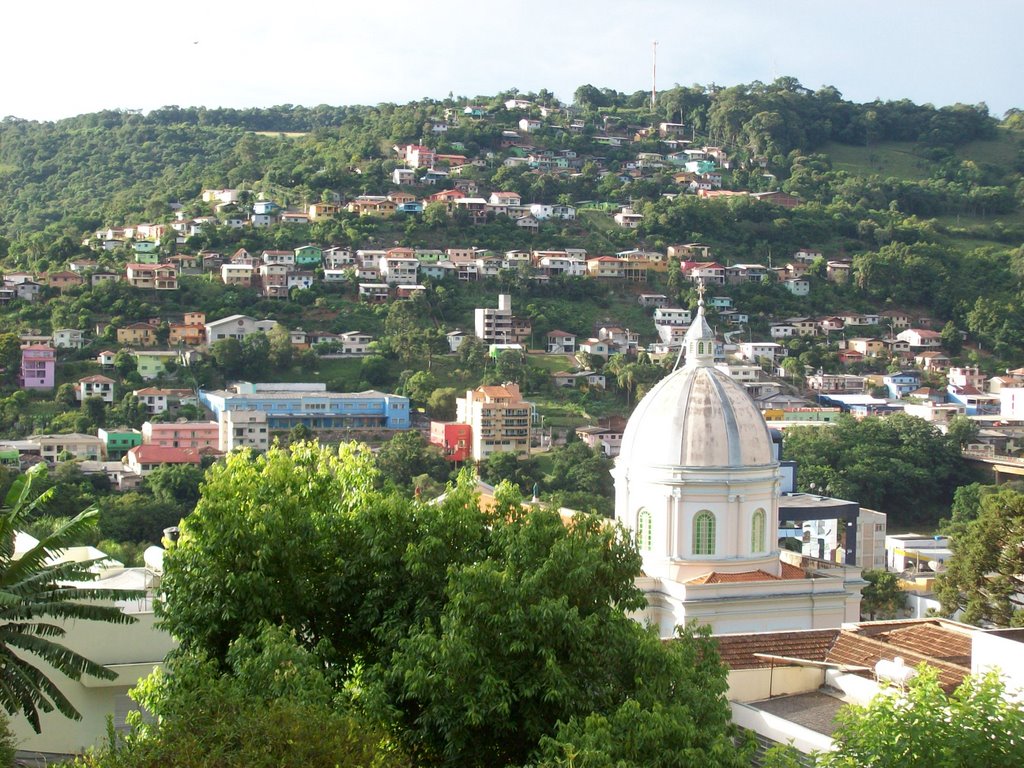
column 935, row 565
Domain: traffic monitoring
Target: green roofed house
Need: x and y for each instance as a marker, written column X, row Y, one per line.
column 119, row 440
column 9, row 456
column 308, row 256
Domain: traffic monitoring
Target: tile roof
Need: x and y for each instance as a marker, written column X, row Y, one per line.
column 715, row 577
column 738, row 651
column 159, row 454
column 859, row 650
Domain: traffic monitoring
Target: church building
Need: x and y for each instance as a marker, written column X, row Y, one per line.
column 697, row 481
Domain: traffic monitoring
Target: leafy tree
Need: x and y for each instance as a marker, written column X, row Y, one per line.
column 35, row 599
column 95, row 410
column 10, row 357
column 901, row 465
column 228, row 355
column 522, row 473
column 272, row 706
column 441, row 403
column 374, row 369
column 136, row 517
column 420, row 386
column 951, row 339
column 477, row 631
column 255, row 354
column 281, row 351
column 298, row 433
column 962, row 430
column 473, row 354
column 978, row 725
column 124, row 363
column 406, row 456
column 882, row 597
column 985, row 575
column 659, row 727
column 176, row 484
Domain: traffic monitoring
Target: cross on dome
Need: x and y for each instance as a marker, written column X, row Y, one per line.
column 699, row 341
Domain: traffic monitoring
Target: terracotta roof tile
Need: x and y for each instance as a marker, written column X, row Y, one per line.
column 932, row 640
column 792, row 572
column 716, row 577
column 738, row 651
column 859, row 650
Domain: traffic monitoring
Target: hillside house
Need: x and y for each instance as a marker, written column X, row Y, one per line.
column 38, row 365
column 95, row 386
column 159, row 277
column 560, row 342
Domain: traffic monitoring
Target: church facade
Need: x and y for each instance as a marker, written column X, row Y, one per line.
column 698, row 484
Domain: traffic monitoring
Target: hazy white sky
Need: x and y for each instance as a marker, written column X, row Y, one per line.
column 64, row 58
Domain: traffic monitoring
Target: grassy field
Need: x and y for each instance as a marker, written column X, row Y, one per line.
column 903, row 159
column 1002, row 150
column 890, row 158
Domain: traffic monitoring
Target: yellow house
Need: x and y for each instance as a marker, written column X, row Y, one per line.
column 137, row 334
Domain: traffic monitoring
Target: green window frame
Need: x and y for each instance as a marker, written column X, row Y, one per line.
column 644, row 529
column 704, row 526
column 757, row 531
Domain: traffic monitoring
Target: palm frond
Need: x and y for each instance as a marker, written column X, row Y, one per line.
column 67, row 535
column 60, row 657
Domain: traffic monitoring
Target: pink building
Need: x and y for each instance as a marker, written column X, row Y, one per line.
column 193, row 435
column 37, row 366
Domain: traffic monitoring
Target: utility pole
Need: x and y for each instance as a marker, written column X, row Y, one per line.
column 654, row 75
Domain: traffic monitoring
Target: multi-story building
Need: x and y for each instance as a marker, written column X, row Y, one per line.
column 182, row 434
column 95, row 386
column 236, row 327
column 38, row 363
column 500, row 326
column 118, row 441
column 137, row 335
column 311, row 405
column 500, row 420
column 243, row 429
column 160, row 277
column 68, row 338
column 454, row 439
column 396, row 269
column 159, row 400
column 236, row 274
column 54, row 448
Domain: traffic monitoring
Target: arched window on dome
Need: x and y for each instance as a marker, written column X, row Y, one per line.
column 644, row 528
column 757, row 527
column 700, row 348
column 704, row 533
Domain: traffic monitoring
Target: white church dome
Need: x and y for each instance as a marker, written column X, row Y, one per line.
column 697, row 416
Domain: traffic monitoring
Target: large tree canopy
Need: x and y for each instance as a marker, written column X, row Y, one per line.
column 900, row 465
column 985, row 576
column 978, row 725
column 471, row 633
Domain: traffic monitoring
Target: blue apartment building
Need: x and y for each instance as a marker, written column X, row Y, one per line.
column 289, row 405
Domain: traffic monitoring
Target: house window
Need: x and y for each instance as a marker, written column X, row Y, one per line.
column 757, row 526
column 644, row 528
column 704, row 533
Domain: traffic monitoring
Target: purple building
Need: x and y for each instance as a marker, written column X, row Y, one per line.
column 37, row 366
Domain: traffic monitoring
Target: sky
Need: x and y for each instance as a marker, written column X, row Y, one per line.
column 65, row 58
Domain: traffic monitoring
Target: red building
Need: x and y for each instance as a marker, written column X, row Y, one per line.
column 454, row 439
